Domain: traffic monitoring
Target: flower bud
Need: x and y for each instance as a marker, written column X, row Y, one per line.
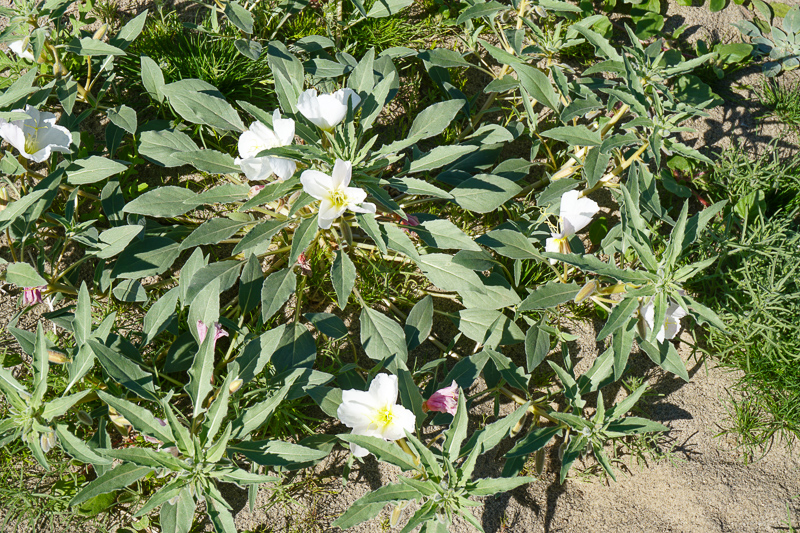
column 586, row 291
column 443, row 401
column 57, row 358
column 305, row 266
column 539, row 462
column 47, row 441
column 518, row 426
column 100, row 33
column 235, row 385
column 32, row 295
column 84, row 418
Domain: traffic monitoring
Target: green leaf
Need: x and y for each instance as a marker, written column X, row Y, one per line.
column 385, row 8
column 124, row 117
column 467, row 370
column 618, row 317
column 343, row 277
column 24, row 275
column 250, row 284
column 490, row 486
column 89, row 47
column 666, row 356
column 212, row 232
column 200, row 107
column 152, row 79
column 480, row 9
column 210, row 161
column 549, row 295
column 418, row 187
column 445, row 235
column 382, row 337
column 574, row 135
column 220, row 517
column 77, row 448
column 327, row 398
column 278, row 453
column 410, row 395
column 509, row 243
column 148, row 257
column 227, row 272
column 92, row 170
column 118, row 478
column 239, row 16
column 159, row 315
column 295, row 349
column 115, row 240
column 160, row 147
column 389, row 452
column 276, row 290
column 537, row 346
column 538, row 85
column 419, row 322
column 457, row 432
column 489, row 327
column 448, row 275
column 146, row 457
column 485, row 192
column 164, row 202
column 140, row 418
column 82, row 323
column 249, row 49
column 511, row 373
column 302, row 237
column 288, row 75
column 634, row 425
column 372, row 503
column 201, row 373
column 439, row 157
column 599, row 42
column 178, row 518
column 124, row 371
column 59, row 406
column 130, row 31
column 328, row 324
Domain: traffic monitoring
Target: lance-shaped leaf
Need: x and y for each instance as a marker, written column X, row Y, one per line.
column 201, row 374
column 419, row 322
column 343, row 277
column 276, row 290
column 369, row 505
column 124, row 371
column 389, row 452
column 140, row 418
column 115, row 479
column 382, row 337
column 257, row 415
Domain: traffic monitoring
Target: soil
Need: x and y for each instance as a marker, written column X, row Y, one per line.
column 693, row 480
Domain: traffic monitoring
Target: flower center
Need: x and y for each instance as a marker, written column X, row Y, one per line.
column 338, row 198
column 31, row 143
column 384, row 416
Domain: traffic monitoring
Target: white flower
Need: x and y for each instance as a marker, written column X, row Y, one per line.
column 576, row 213
column 326, row 110
column 22, row 48
column 333, row 191
column 672, row 320
column 36, row 137
column 259, row 138
column 375, row 413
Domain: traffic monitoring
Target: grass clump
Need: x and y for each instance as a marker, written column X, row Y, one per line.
column 781, row 100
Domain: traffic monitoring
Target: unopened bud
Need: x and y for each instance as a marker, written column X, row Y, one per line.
column 395, row 518
column 235, row 385
column 100, row 33
column 539, row 462
column 518, row 427
column 347, row 233
column 57, row 357
column 84, row 418
column 586, row 291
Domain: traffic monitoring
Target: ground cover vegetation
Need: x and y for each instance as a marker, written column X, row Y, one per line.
column 250, row 226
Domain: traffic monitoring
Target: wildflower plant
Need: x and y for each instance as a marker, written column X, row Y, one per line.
column 332, row 195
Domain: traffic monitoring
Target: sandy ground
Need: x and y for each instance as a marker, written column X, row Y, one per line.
column 699, row 482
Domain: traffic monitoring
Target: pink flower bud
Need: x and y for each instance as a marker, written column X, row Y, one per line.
column 305, row 266
column 202, row 330
column 32, row 295
column 255, row 189
column 443, row 400
column 412, row 221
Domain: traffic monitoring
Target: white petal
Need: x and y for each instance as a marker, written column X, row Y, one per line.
column 325, row 223
column 649, row 313
column 344, row 94
column 356, row 409
column 57, row 137
column 402, row 420
column 366, row 207
column 331, row 111
column 342, row 171
column 576, row 213
column 256, row 168
column 309, row 105
column 13, row 134
column 384, row 390
column 358, row 451
column 355, row 195
column 316, row 183
column 328, row 211
column 284, row 128
column 250, row 144
column 283, row 168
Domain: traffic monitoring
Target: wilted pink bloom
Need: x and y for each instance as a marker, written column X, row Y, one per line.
column 443, row 400
column 305, row 266
column 32, row 295
column 411, row 221
column 202, row 329
column 255, row 189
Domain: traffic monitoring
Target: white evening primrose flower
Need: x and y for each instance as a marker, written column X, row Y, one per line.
column 259, row 138
column 672, row 320
column 576, row 213
column 375, row 413
column 22, row 48
column 36, row 137
column 334, row 194
column 326, row 110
